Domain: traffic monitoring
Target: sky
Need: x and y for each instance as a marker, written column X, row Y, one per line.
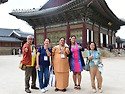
column 8, row 21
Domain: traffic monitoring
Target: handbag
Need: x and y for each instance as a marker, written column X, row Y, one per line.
column 22, row 66
column 87, row 67
column 52, row 77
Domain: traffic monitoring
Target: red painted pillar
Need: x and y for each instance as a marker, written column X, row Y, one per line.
column 35, row 37
column 9, row 44
column 68, row 33
column 19, row 44
column 12, row 44
column 84, row 35
column 111, row 37
column 93, row 32
column 115, row 40
column 45, row 32
column 99, row 42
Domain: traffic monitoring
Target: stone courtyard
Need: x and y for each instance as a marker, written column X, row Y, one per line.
column 12, row 78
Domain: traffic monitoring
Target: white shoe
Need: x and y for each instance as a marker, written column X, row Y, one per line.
column 94, row 90
column 43, row 90
column 46, row 88
column 100, row 90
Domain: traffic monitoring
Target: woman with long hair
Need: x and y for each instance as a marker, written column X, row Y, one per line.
column 76, row 61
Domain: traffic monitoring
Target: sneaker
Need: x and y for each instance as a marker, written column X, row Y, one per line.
column 94, row 90
column 100, row 91
column 43, row 90
column 46, row 88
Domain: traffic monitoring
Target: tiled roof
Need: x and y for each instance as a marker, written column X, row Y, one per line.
column 7, row 32
column 123, row 40
column 22, row 34
column 54, row 3
column 9, row 39
column 74, row 9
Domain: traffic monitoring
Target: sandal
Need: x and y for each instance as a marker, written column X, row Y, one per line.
column 75, row 87
column 56, row 89
column 64, row 90
column 78, row 87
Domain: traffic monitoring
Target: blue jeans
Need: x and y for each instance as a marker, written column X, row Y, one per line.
column 44, row 71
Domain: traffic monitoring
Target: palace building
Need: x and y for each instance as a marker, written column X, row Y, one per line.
column 11, row 39
column 89, row 20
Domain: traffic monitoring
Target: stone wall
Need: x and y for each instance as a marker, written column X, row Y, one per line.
column 7, row 50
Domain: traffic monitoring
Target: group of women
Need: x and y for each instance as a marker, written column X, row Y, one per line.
column 64, row 59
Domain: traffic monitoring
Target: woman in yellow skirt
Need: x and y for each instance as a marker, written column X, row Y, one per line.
column 61, row 65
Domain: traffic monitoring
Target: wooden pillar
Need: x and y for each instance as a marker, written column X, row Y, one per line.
column 108, row 37
column 84, row 35
column 45, row 32
column 118, row 46
column 93, row 32
column 0, row 44
column 111, row 37
column 68, row 33
column 19, row 44
column 35, row 37
column 99, row 44
column 9, row 44
column 115, row 41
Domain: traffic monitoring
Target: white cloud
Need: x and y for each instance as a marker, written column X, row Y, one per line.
column 8, row 21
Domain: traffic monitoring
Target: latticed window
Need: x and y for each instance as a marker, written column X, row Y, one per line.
column 96, row 38
column 89, row 26
column 15, row 44
column 54, row 37
column 78, row 34
column 39, row 39
column 103, row 31
column 96, row 29
column 6, row 44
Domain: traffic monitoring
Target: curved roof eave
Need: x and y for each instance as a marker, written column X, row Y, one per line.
column 56, row 10
column 110, row 13
column 43, row 12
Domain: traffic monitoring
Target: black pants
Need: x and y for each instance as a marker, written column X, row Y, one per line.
column 30, row 72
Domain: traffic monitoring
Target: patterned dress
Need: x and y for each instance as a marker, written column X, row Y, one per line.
column 76, row 64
